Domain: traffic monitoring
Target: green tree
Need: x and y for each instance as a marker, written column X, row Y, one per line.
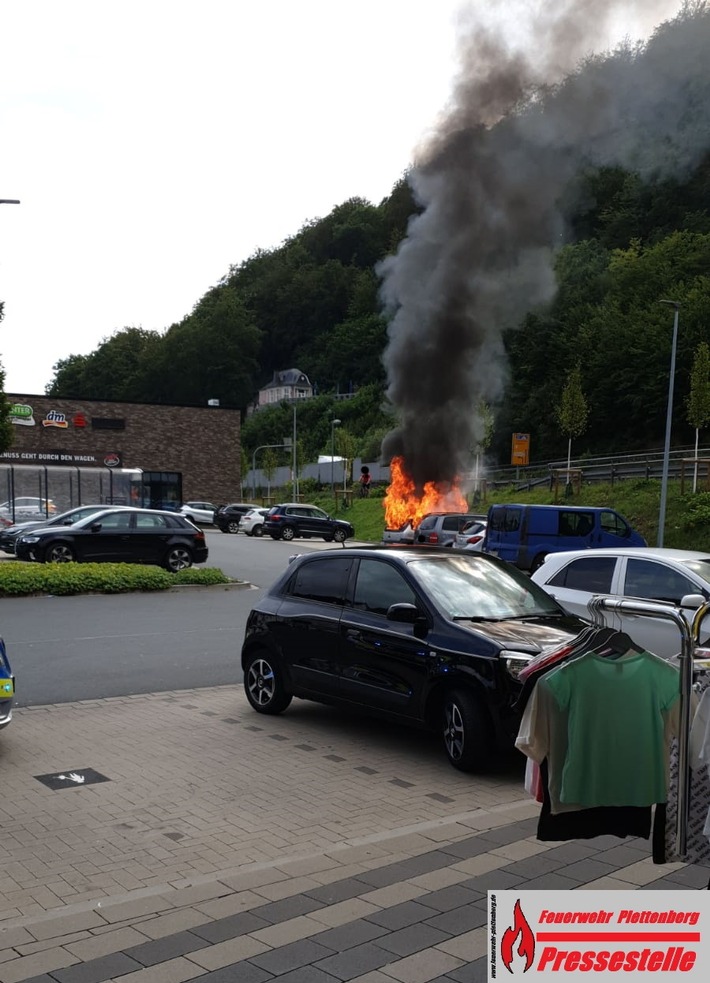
column 572, row 412
column 269, row 464
column 698, row 402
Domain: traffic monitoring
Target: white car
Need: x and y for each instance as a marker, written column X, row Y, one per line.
column 679, row 577
column 405, row 534
column 202, row 512
column 471, row 536
column 252, row 522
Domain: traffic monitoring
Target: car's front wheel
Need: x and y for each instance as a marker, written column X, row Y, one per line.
column 59, row 553
column 339, row 536
column 178, row 558
column 233, row 526
column 264, row 684
column 257, row 531
column 466, row 731
column 287, row 533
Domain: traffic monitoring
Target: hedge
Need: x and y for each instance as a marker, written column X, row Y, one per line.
column 20, row 578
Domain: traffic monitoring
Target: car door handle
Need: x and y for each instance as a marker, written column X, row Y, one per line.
column 353, row 635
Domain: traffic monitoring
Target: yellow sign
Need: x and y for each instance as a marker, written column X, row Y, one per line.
column 520, row 454
column 7, row 689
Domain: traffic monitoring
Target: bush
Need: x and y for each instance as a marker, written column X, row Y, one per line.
column 18, row 578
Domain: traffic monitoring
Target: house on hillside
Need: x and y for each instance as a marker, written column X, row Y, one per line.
column 291, row 384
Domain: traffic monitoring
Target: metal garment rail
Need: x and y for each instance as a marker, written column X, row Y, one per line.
column 689, row 638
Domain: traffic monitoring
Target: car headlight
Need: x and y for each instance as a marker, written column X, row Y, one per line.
column 29, row 539
column 515, row 661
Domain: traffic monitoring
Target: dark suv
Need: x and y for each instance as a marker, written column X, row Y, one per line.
column 228, row 517
column 293, row 519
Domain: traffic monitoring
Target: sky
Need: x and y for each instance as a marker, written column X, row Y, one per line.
column 155, row 143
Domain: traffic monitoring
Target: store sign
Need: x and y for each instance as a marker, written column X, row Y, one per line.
column 113, row 461
column 79, row 420
column 602, row 935
column 22, row 415
column 48, row 457
column 55, row 419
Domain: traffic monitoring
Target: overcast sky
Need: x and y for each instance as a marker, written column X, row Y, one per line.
column 154, row 143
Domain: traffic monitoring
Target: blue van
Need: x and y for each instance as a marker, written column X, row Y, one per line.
column 525, row 534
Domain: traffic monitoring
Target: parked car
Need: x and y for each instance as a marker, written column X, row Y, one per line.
column 28, row 505
column 119, row 535
column 201, row 512
column 441, row 528
column 525, row 534
column 9, row 534
column 679, row 577
column 425, row 636
column 7, row 687
column 252, row 522
column 471, row 536
column 228, row 517
column 293, row 519
column 404, row 534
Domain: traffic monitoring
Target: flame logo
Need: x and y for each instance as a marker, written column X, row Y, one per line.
column 526, row 947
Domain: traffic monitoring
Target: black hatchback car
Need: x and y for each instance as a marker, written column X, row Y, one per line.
column 294, row 519
column 422, row 635
column 124, row 535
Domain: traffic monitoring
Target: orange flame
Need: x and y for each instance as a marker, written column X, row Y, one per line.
column 403, row 504
column 526, row 947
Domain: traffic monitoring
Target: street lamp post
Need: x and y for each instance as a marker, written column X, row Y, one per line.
column 9, row 201
column 669, row 418
column 333, row 425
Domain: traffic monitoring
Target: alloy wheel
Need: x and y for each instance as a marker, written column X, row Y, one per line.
column 261, row 682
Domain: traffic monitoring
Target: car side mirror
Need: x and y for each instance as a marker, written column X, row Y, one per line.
column 693, row 601
column 96, row 527
column 408, row 614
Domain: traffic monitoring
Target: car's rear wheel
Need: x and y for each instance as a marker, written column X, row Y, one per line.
column 287, row 533
column 264, row 684
column 59, row 553
column 339, row 536
column 467, row 731
column 257, row 531
column 233, row 526
column 177, row 558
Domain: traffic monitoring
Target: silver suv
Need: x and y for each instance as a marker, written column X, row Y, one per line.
column 441, row 528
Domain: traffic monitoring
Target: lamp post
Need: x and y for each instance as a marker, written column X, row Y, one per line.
column 9, row 201
column 333, row 425
column 669, row 417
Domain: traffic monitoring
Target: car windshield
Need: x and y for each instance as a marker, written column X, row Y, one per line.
column 473, row 588
column 699, row 566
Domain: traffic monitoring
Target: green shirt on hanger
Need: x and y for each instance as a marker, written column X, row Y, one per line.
column 616, row 753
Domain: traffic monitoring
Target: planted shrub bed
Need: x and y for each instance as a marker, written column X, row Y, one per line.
column 18, row 578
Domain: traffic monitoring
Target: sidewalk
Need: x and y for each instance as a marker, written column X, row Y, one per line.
column 225, row 846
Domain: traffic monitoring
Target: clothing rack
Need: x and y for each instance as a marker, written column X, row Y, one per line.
column 689, row 639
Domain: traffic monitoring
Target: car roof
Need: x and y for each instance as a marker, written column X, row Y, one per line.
column 405, row 551
column 647, row 552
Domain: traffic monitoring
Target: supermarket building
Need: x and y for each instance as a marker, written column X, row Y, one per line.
column 78, row 452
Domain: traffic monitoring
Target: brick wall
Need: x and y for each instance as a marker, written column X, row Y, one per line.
column 203, row 443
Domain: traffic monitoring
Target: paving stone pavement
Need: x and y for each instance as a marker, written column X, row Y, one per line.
column 225, row 846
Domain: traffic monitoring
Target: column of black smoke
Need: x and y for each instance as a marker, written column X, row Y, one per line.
column 496, row 182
